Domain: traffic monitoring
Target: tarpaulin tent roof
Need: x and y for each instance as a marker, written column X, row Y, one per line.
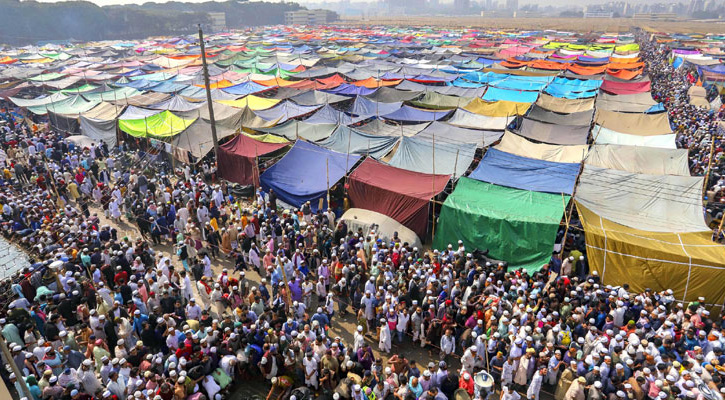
column 196, row 140
column 525, row 173
column 607, row 136
column 634, row 123
column 349, row 140
column 71, row 105
column 41, row 101
column 398, row 193
column 363, row 106
column 284, row 111
column 633, row 103
column 625, row 87
column 467, row 119
column 292, row 130
column 496, row 94
column 412, row 114
column 141, row 100
column 317, row 97
column 177, row 103
column 690, row 264
column 237, row 158
column 518, row 226
column 497, row 108
column 447, row 133
column 416, row 154
column 382, row 128
column 99, row 123
column 640, row 160
column 553, row 133
column 514, row 144
column 304, row 172
column 385, row 227
column 163, row 124
column 328, row 114
column 641, row 201
column 245, row 88
column 580, row 118
column 437, row 101
column 392, row 95
column 252, row 102
column 522, row 83
column 562, row 105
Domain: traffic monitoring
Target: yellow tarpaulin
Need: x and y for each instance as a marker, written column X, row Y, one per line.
column 562, row 105
column 515, row 144
column 497, row 108
column 252, row 102
column 690, row 264
column 634, row 123
column 267, row 138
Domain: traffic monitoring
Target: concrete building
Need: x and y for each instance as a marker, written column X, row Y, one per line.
column 218, row 21
column 310, row 17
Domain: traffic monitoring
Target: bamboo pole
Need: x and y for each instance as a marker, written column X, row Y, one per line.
column 567, row 215
column 18, row 375
column 709, row 164
column 433, row 208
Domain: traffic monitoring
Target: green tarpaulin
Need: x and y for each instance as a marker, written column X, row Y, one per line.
column 517, row 226
column 163, row 124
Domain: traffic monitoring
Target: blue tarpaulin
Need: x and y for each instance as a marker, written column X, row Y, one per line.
column 496, row 94
column 412, row 114
column 520, row 83
column 304, row 172
column 348, row 140
column 518, row 172
column 349, row 89
column 245, row 88
column 330, row 115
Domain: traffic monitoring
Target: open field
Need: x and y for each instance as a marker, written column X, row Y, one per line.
column 516, row 24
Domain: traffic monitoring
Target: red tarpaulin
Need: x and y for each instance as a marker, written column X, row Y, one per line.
column 625, row 87
column 236, row 161
column 398, row 193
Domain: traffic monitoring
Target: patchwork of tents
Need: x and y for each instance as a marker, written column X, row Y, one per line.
column 504, row 129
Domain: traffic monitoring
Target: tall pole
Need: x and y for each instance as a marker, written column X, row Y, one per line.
column 14, row 367
column 208, row 93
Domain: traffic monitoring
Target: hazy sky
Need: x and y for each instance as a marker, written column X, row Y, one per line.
column 521, row 2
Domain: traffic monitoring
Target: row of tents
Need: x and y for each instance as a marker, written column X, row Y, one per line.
column 507, row 129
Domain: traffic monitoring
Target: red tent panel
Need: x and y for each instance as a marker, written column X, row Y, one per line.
column 398, row 193
column 236, row 159
column 625, row 87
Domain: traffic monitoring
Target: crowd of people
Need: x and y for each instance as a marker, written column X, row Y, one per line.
column 206, row 289
column 697, row 128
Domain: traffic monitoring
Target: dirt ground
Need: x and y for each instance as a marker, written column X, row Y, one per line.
column 609, row 25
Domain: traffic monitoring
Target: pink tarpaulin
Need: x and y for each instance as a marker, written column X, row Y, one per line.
column 626, row 87
column 237, row 159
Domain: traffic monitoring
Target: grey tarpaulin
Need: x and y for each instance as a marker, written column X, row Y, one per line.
column 553, row 133
column 447, row 133
column 415, row 154
column 348, row 140
column 581, row 118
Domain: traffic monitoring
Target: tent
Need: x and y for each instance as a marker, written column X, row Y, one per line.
column 517, row 96
column 625, row 87
column 443, row 132
column 390, row 128
column 436, row 101
column 518, row 172
column 306, row 173
column 237, row 159
column 100, row 122
column 497, row 108
column 639, row 159
column 415, row 154
column 553, row 133
column 384, row 226
column 632, row 103
column 578, row 118
column 293, row 129
column 518, row 226
column 365, row 107
column 514, row 144
column 348, row 140
column 412, row 114
column 467, row 119
column 607, row 136
column 72, row 105
column 562, row 105
column 634, row 123
column 163, row 124
column 656, row 203
column 400, row 194
column 690, row 264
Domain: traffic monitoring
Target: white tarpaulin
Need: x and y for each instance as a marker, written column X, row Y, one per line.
column 607, row 136
column 384, row 226
column 656, row 203
column 638, row 159
column 515, row 144
column 467, row 119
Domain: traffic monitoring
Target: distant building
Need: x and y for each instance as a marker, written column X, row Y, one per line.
column 461, row 5
column 217, row 20
column 512, row 5
column 310, row 17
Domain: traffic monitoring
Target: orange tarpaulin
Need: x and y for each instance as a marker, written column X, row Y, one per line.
column 332, row 81
column 219, row 84
column 275, row 82
column 625, row 73
column 636, row 65
column 582, row 70
column 7, row 60
column 624, row 60
column 372, row 83
column 550, row 65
